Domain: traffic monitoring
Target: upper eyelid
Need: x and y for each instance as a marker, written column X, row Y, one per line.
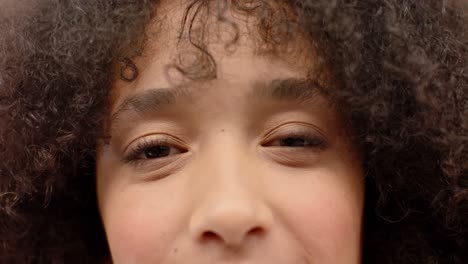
column 300, row 128
column 160, row 137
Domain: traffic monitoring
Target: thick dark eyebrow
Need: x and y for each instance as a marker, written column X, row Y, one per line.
column 151, row 100
column 157, row 99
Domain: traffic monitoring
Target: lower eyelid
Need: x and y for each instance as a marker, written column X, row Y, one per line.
column 159, row 169
column 297, row 157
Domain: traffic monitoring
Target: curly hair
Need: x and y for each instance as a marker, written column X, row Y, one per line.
column 401, row 68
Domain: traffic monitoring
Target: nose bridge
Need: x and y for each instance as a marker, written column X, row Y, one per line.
column 228, row 160
column 231, row 207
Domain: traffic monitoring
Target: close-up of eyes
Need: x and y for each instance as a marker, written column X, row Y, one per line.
column 153, row 148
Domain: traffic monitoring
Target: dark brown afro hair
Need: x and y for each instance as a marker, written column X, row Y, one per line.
column 401, row 72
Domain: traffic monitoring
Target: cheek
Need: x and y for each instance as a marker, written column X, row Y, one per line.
column 327, row 223
column 324, row 213
column 139, row 228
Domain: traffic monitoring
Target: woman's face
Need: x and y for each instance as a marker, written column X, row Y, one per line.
column 253, row 166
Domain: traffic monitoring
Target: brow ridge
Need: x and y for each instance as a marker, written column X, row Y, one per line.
column 156, row 99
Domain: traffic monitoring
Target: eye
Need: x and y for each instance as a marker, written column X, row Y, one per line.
column 297, row 142
column 300, row 142
column 152, row 149
column 295, row 146
column 300, row 139
column 159, row 151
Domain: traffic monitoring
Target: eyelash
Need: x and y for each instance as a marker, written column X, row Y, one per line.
column 316, row 143
column 144, row 145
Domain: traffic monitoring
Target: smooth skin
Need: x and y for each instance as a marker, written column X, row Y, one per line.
column 252, row 167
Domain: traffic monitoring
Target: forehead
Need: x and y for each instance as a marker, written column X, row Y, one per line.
column 187, row 41
column 188, row 33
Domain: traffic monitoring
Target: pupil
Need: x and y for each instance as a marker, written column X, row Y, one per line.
column 157, row 152
column 293, row 142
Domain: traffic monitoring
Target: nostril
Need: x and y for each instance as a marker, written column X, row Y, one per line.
column 256, row 231
column 213, row 236
column 210, row 236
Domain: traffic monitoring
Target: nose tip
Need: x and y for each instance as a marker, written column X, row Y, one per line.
column 231, row 225
column 231, row 238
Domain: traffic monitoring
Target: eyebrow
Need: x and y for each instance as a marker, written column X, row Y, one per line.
column 158, row 99
column 292, row 89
